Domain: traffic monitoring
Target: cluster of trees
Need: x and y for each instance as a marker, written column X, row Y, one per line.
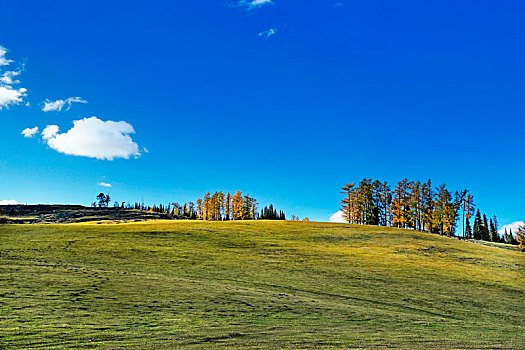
column 487, row 230
column 270, row 213
column 415, row 205
column 219, row 207
column 212, row 207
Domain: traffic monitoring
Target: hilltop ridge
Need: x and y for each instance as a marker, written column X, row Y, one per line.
column 65, row 213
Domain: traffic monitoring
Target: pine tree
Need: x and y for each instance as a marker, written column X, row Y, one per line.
column 513, row 240
column 478, row 226
column 495, row 235
column 485, row 233
column 468, row 231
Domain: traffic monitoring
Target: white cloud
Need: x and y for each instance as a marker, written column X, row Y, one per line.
column 30, row 132
column 50, row 131
column 514, row 227
column 268, row 33
column 252, row 4
column 94, row 138
column 8, row 76
column 8, row 201
column 104, row 184
column 59, row 104
column 337, row 217
column 9, row 95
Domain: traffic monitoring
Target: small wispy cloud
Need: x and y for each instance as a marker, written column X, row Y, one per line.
column 58, row 105
column 253, row 4
column 104, row 184
column 7, row 77
column 4, row 61
column 268, row 33
column 30, row 132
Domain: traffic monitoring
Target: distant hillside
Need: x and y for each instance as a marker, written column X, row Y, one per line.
column 255, row 284
column 43, row 213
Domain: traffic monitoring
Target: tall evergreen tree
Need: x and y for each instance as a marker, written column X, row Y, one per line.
column 493, row 232
column 468, row 231
column 478, row 226
column 485, row 233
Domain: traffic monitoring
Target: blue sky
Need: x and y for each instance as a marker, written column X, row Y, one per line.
column 284, row 100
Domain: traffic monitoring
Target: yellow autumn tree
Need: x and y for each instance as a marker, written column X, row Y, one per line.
column 347, row 204
column 227, row 206
column 520, row 237
column 399, row 204
column 237, row 206
column 200, row 215
column 206, row 206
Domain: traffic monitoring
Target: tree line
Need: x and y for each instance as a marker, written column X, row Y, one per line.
column 212, row 207
column 419, row 206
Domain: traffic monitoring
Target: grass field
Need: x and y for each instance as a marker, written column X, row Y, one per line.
column 168, row 284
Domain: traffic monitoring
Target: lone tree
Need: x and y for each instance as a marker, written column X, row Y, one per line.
column 103, row 200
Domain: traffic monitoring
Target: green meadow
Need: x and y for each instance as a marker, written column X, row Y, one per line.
column 255, row 284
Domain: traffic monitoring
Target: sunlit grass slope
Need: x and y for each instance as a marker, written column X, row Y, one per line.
column 254, row 284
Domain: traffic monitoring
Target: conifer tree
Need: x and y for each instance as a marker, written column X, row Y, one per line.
column 495, row 235
column 485, row 233
column 468, row 232
column 493, row 231
column 478, row 226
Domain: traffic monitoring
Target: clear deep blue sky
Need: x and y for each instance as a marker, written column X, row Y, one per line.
column 343, row 90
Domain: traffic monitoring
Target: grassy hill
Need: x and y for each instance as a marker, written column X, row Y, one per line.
column 58, row 213
column 166, row 284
